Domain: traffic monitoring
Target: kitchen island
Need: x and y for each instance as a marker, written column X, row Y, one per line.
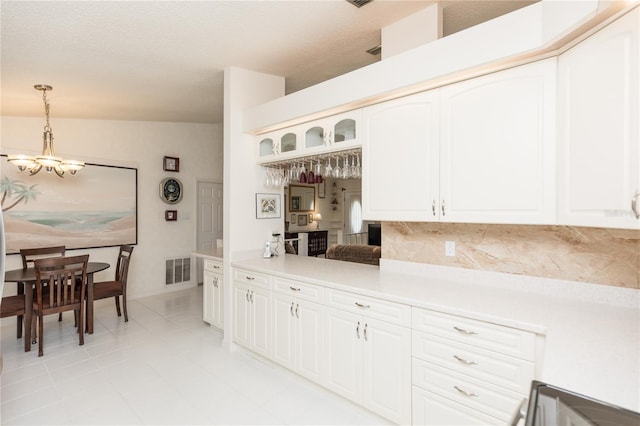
column 587, row 336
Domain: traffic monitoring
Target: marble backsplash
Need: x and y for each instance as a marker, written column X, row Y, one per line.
column 593, row 255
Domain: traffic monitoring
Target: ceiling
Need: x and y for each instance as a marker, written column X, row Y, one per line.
column 164, row 60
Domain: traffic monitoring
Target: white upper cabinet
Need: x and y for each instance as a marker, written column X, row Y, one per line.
column 334, row 133
column 482, row 151
column 599, row 154
column 400, row 158
column 497, row 147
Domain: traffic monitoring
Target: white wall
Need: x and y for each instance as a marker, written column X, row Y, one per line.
column 141, row 145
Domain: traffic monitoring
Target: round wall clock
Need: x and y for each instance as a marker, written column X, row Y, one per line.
column 171, row 190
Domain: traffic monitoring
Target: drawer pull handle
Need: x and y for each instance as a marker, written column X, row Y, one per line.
column 294, row 288
column 365, row 332
column 464, row 361
column 291, row 309
column 358, row 330
column 251, row 296
column 297, row 307
column 360, row 305
column 216, row 267
column 250, row 278
column 246, row 296
column 465, row 393
column 462, row 330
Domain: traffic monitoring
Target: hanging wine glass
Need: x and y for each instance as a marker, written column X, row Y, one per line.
column 346, row 169
column 328, row 170
column 311, row 177
column 337, row 171
column 303, row 174
column 318, row 171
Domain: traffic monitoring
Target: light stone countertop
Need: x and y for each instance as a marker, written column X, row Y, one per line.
column 591, row 332
column 211, row 254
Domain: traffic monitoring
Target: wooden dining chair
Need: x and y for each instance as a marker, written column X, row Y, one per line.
column 118, row 287
column 13, row 306
column 61, row 284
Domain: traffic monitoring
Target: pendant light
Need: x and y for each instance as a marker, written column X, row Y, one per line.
column 47, row 159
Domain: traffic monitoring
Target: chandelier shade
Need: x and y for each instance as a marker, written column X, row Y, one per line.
column 48, row 159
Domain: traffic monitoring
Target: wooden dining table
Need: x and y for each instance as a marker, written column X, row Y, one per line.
column 27, row 277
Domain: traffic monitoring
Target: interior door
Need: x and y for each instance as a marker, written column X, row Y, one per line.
column 209, row 220
column 353, row 218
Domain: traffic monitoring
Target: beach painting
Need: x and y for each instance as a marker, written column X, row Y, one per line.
column 95, row 208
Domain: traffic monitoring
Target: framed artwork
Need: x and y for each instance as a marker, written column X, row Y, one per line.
column 98, row 207
column 171, row 164
column 302, row 220
column 170, row 215
column 322, row 190
column 293, row 219
column 268, row 206
column 295, row 203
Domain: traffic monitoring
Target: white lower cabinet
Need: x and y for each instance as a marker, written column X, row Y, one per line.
column 369, row 362
column 431, row 409
column 458, row 362
column 298, row 332
column 212, row 293
column 252, row 311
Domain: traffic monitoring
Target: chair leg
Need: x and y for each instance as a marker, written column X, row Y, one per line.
column 60, row 316
column 34, row 320
column 80, row 326
column 41, row 334
column 19, row 323
column 124, row 307
column 118, row 305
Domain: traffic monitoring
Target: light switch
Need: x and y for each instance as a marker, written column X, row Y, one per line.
column 449, row 248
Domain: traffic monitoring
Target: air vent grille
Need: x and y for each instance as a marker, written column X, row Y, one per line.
column 359, row 3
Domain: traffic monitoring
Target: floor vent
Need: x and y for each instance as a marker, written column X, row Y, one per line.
column 177, row 270
column 359, row 3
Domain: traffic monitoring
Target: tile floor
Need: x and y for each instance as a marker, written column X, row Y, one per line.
column 165, row 366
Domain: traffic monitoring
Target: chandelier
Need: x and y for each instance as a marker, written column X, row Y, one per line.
column 47, row 159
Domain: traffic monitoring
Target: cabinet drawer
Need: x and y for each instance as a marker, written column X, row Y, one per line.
column 213, row 265
column 374, row 308
column 505, row 340
column 298, row 289
column 432, row 409
column 490, row 399
column 509, row 372
column 252, row 278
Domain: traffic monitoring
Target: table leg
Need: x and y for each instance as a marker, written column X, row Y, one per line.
column 89, row 325
column 28, row 315
column 20, row 318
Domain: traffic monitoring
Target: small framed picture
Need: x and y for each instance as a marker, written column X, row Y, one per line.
column 171, row 164
column 302, row 220
column 322, row 190
column 293, row 219
column 170, row 215
column 267, row 206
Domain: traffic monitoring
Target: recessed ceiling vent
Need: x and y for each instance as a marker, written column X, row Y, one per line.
column 375, row 50
column 359, row 3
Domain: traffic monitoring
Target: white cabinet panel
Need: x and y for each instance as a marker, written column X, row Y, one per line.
column 344, row 354
column 432, row 409
column 252, row 311
column 599, row 154
column 212, row 299
column 497, row 151
column 400, row 158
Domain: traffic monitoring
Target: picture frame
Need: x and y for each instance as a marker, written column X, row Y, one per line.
column 268, row 206
column 48, row 219
column 322, row 190
column 170, row 215
column 302, row 220
column 170, row 164
column 293, row 219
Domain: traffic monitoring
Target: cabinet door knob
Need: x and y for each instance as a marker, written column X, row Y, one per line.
column 634, row 204
column 464, row 392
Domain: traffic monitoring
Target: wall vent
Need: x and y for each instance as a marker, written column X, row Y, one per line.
column 359, row 3
column 177, row 270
